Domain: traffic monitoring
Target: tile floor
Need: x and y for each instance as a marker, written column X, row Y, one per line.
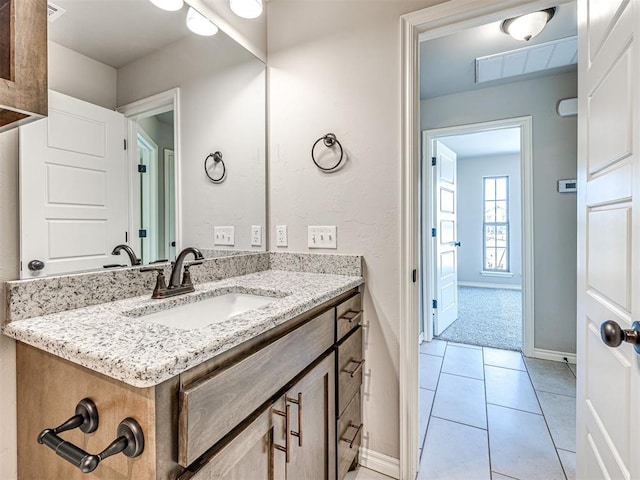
column 491, row 414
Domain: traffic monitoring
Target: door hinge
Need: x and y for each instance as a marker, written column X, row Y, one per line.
column 433, row 161
column 142, row 233
column 435, row 304
column 125, row 143
column 434, row 232
column 126, row 237
column 142, row 168
column 414, row 275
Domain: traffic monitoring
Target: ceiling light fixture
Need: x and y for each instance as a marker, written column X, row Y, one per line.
column 528, row 26
column 200, row 24
column 246, row 8
column 169, row 5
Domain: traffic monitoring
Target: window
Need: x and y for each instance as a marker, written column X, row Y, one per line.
column 496, row 224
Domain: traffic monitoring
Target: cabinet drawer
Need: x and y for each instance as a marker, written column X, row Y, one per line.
column 350, row 364
column 348, row 315
column 213, row 406
column 349, row 435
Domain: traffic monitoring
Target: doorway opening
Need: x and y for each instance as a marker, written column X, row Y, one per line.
column 153, row 137
column 433, row 23
column 475, row 249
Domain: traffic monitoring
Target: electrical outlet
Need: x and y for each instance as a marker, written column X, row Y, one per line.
column 256, row 236
column 281, row 236
column 224, row 236
column 322, row 237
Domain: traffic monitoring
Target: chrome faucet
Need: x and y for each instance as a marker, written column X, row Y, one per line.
column 176, row 287
column 132, row 256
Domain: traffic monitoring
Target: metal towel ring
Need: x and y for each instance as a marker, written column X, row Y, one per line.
column 217, row 157
column 329, row 141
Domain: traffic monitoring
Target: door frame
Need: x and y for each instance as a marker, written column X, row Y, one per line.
column 148, row 208
column 431, row 22
column 153, row 105
column 526, row 183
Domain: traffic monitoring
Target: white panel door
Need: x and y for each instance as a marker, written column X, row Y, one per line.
column 608, row 390
column 446, row 261
column 73, row 188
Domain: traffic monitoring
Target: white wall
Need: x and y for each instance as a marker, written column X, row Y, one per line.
column 8, row 271
column 220, row 109
column 335, row 67
column 471, row 170
column 554, row 214
column 81, row 77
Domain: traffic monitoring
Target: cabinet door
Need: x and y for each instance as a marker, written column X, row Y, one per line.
column 312, row 424
column 250, row 455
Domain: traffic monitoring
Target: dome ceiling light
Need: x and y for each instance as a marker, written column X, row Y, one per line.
column 246, row 8
column 525, row 27
column 200, row 24
column 169, row 5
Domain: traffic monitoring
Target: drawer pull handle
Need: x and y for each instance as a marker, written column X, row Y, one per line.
column 284, row 414
column 353, row 371
column 351, row 316
column 297, row 402
column 355, row 435
column 130, row 441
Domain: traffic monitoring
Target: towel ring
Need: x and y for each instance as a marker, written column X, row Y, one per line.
column 329, row 141
column 217, row 158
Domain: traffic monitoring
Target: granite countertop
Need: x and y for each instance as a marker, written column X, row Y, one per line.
column 116, row 340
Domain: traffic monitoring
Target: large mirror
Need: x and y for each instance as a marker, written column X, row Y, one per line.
column 155, row 139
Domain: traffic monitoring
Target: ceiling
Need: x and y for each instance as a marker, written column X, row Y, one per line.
column 447, row 64
column 482, row 144
column 116, row 32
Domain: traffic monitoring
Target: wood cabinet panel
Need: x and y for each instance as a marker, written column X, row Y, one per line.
column 49, row 389
column 349, row 435
column 211, row 408
column 348, row 316
column 350, row 364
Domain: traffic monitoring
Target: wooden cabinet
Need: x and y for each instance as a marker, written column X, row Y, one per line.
column 23, row 61
column 264, row 410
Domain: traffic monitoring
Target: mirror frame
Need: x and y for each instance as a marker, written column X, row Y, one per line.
column 153, row 105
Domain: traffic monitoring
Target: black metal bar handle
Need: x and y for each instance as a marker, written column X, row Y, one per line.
column 351, row 316
column 355, row 435
column 130, row 441
column 353, row 371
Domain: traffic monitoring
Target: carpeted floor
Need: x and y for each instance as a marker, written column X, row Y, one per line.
column 489, row 317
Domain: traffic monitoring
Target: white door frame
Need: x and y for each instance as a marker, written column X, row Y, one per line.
column 149, row 208
column 526, row 182
column 154, row 105
column 431, row 22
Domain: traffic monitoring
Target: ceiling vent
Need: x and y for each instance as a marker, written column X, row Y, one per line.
column 536, row 58
column 54, row 12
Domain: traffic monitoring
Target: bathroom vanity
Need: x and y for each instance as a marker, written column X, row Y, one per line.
column 273, row 392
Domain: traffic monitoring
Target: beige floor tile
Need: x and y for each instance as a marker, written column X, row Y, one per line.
column 434, row 347
column 460, row 399
column 510, row 388
column 560, row 413
column 429, row 371
column 454, row 452
column 504, row 358
column 551, row 377
column 521, row 446
column 568, row 460
column 425, row 402
column 463, row 361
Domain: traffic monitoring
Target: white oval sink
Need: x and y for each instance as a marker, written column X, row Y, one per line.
column 208, row 311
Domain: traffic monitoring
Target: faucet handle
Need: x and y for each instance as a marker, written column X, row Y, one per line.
column 161, row 286
column 186, row 277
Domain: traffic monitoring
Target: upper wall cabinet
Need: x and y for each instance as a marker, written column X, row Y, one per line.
column 23, row 61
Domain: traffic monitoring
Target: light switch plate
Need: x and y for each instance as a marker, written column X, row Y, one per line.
column 322, row 237
column 224, row 236
column 281, row 236
column 256, row 236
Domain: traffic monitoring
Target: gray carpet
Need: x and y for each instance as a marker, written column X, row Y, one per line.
column 488, row 317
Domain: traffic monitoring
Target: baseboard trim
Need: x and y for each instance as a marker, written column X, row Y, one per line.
column 543, row 354
column 501, row 286
column 380, row 463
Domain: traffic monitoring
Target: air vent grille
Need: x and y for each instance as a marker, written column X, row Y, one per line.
column 54, row 12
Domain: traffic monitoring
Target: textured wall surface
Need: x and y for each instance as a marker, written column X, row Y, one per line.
column 335, row 67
